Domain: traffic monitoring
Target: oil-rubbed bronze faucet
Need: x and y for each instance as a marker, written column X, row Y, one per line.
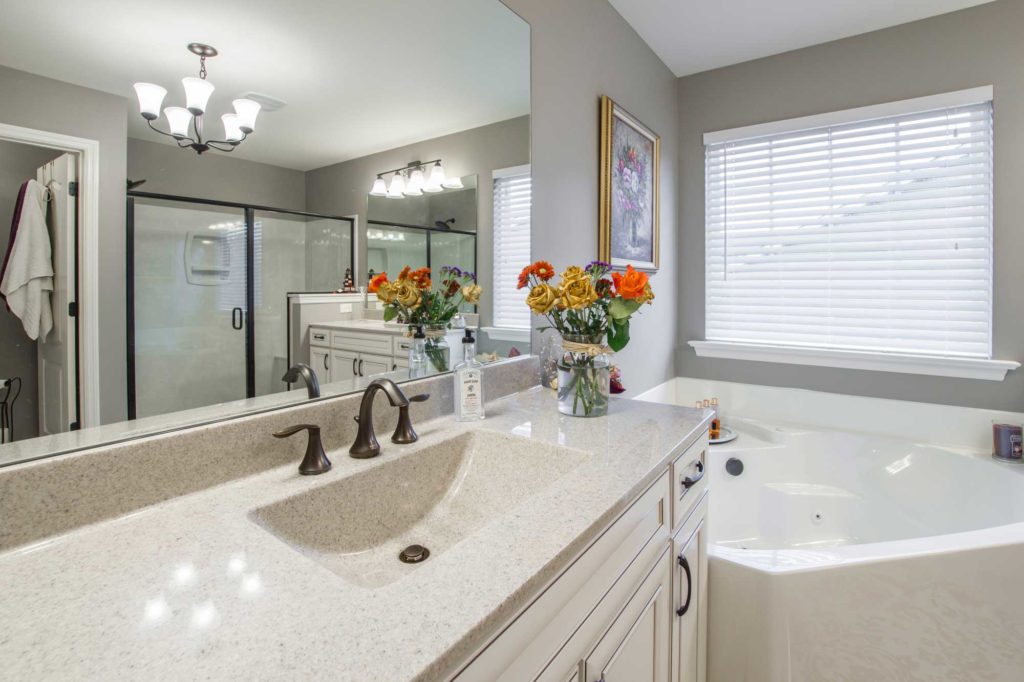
column 315, row 461
column 366, row 444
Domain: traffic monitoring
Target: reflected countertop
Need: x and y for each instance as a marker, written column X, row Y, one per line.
column 193, row 587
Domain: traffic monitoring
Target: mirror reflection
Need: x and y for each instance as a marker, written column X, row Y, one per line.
column 196, row 215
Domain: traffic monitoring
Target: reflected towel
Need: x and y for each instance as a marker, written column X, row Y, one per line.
column 26, row 278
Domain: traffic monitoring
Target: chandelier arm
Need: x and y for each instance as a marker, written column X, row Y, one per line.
column 215, row 144
column 188, row 140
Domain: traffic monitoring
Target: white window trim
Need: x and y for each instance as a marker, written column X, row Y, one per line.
column 508, row 333
column 931, row 365
column 907, row 106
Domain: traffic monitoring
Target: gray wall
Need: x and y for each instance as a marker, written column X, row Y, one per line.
column 18, row 163
column 582, row 49
column 974, row 47
column 214, row 175
column 44, row 104
column 341, row 189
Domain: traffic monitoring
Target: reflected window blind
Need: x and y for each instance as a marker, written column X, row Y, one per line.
column 871, row 235
column 511, row 245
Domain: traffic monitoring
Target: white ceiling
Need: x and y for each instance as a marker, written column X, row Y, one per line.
column 697, row 35
column 359, row 76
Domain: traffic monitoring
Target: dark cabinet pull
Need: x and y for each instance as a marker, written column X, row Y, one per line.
column 325, row 361
column 681, row 611
column 237, row 318
column 361, row 368
column 355, row 372
column 690, row 482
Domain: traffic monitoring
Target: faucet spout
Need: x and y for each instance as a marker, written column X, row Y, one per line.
column 308, row 376
column 366, row 444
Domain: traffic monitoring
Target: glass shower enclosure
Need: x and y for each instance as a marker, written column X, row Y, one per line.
column 207, row 285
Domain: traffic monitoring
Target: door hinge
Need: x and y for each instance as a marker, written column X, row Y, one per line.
column 73, row 188
column 73, row 309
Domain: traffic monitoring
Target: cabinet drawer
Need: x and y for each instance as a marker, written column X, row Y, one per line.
column 688, row 479
column 377, row 344
column 402, row 345
column 319, row 337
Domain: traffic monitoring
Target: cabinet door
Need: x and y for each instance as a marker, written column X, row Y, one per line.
column 690, row 609
column 370, row 365
column 319, row 360
column 344, row 365
column 636, row 647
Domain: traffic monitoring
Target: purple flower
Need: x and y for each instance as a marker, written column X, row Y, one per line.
column 597, row 265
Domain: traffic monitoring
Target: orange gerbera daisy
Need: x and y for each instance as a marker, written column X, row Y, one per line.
column 524, row 277
column 404, row 274
column 544, row 270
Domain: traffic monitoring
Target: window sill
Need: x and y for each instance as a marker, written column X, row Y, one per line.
column 963, row 368
column 507, row 334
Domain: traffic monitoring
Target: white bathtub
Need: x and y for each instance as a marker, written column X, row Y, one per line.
column 848, row 556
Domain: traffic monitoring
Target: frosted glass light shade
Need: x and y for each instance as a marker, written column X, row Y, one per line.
column 247, row 111
column 453, row 183
column 178, row 120
column 380, row 188
column 414, row 186
column 232, row 133
column 150, row 98
column 397, row 188
column 436, row 179
column 197, row 94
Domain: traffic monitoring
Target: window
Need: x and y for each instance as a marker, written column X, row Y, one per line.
column 860, row 231
column 511, row 246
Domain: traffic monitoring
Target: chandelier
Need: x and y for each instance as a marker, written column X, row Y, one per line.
column 237, row 126
column 411, row 180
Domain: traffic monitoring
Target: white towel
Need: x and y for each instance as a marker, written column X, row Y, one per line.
column 26, row 279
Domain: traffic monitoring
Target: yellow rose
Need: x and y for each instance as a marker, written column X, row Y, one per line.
column 573, row 273
column 648, row 295
column 471, row 292
column 386, row 292
column 406, row 293
column 542, row 298
column 578, row 294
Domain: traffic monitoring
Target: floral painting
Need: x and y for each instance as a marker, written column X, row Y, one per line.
column 629, row 190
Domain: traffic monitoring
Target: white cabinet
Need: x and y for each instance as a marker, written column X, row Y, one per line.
column 636, row 645
column 690, row 613
column 319, row 360
column 337, row 356
column 371, row 365
column 344, row 365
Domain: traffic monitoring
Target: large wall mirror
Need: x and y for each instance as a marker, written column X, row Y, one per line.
column 193, row 203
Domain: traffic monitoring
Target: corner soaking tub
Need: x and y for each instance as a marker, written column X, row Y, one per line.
column 841, row 556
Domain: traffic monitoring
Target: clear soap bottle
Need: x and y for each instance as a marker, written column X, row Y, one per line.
column 469, row 387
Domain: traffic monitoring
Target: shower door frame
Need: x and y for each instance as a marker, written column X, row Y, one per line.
column 250, row 280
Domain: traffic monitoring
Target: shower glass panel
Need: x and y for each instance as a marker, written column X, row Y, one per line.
column 390, row 248
column 189, row 305
column 328, row 253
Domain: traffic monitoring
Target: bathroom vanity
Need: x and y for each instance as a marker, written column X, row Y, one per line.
column 561, row 549
column 361, row 348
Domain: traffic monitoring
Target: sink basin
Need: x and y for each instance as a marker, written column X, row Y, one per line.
column 435, row 497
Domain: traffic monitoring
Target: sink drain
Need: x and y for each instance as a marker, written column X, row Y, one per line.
column 413, row 554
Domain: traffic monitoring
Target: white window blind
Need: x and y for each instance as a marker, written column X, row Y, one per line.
column 870, row 235
column 511, row 245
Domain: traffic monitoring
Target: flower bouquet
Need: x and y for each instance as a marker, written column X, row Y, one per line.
column 411, row 300
column 587, row 306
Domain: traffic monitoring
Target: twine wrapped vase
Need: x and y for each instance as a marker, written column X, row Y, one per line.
column 584, row 376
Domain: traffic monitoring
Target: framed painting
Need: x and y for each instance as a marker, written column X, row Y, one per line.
column 629, row 178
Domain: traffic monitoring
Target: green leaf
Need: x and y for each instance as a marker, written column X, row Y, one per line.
column 618, row 334
column 390, row 313
column 621, row 309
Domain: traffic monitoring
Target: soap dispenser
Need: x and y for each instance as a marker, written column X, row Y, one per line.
column 469, row 387
column 418, row 349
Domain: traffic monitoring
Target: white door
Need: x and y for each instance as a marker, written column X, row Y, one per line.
column 344, row 365
column 372, row 365
column 689, row 578
column 320, row 362
column 58, row 371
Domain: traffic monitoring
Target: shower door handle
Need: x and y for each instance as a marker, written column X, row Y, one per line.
column 237, row 318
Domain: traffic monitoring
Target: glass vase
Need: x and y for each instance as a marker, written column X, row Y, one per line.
column 584, row 379
column 436, row 347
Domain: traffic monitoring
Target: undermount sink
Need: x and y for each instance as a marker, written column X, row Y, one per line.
column 435, row 497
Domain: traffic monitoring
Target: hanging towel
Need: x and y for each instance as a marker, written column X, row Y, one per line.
column 26, row 278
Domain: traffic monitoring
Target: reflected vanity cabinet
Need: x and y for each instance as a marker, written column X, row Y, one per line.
column 631, row 607
column 339, row 355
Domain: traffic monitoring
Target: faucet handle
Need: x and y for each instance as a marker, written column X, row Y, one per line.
column 421, row 398
column 315, row 460
column 404, row 432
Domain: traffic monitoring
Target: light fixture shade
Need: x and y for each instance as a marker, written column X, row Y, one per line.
column 150, row 98
column 247, row 111
column 232, row 133
column 436, row 179
column 397, row 188
column 197, row 94
column 380, row 188
column 453, row 183
column 178, row 120
column 414, row 185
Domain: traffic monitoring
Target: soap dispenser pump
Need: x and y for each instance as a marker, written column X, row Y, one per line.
column 469, row 387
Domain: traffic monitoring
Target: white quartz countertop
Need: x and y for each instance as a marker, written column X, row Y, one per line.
column 362, row 325
column 194, row 588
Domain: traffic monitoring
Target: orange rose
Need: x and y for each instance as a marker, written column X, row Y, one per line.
column 375, row 283
column 630, row 284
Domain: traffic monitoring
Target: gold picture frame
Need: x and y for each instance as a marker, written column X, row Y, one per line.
column 629, row 215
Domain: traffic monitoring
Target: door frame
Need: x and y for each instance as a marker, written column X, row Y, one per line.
column 87, row 286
